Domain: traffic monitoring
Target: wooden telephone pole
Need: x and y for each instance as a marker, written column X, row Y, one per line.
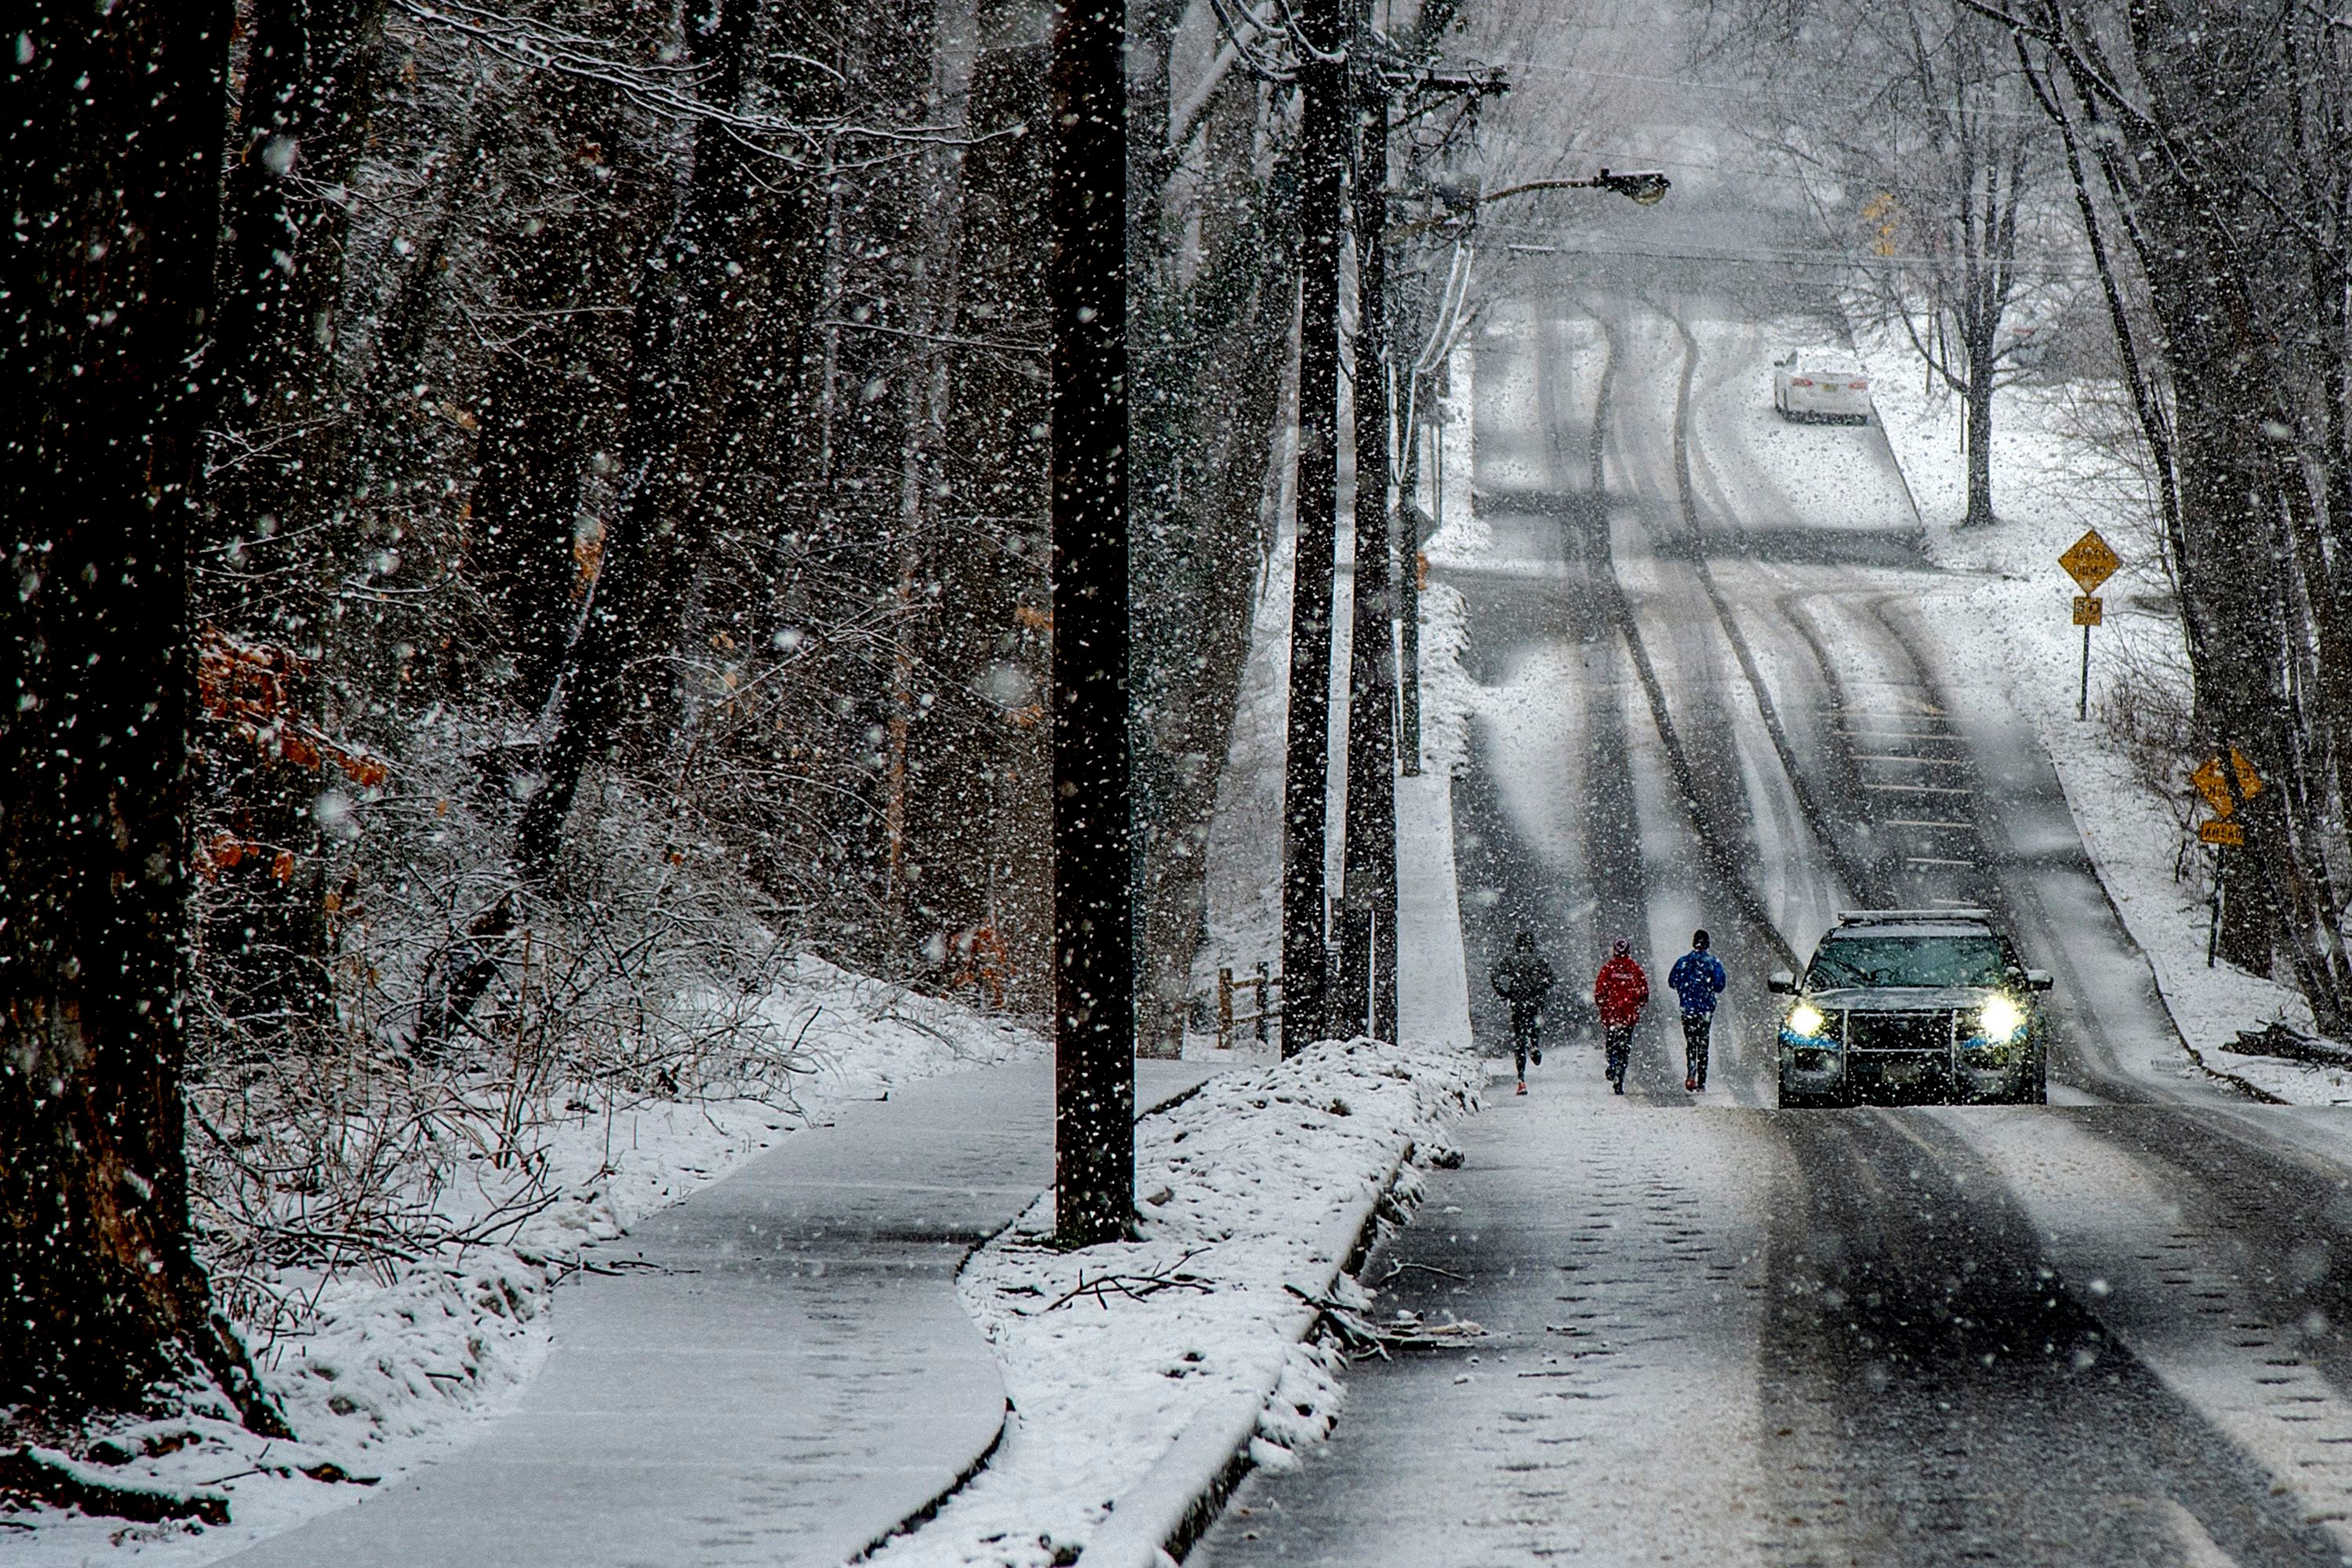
column 1094, row 978
column 1367, row 999
column 1325, row 110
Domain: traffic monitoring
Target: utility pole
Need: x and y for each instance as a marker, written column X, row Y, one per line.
column 1085, row 285
column 1326, row 109
column 1367, row 949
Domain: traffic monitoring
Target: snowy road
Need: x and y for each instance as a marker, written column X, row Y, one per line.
column 2104, row 1331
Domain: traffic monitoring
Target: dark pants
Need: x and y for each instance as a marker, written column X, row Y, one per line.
column 1526, row 1034
column 1697, row 1026
column 1620, row 1043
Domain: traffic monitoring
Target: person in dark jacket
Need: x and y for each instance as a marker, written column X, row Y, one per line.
column 1697, row 979
column 1620, row 992
column 1521, row 977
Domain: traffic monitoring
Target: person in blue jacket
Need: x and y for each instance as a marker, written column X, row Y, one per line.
column 1698, row 979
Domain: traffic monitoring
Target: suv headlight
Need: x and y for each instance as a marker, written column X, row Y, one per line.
column 1805, row 1020
column 2002, row 1020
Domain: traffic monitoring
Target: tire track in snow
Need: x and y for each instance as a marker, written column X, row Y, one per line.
column 1721, row 857
column 1942, row 1394
column 2239, row 1307
column 1862, row 880
column 2021, row 907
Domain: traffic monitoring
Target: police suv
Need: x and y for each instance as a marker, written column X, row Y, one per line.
column 1912, row 1005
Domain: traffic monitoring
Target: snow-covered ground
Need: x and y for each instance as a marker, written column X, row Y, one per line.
column 1255, row 1191
column 387, row 1373
column 2006, row 626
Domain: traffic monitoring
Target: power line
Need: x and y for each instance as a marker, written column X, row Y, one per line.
column 1777, row 258
column 1748, row 92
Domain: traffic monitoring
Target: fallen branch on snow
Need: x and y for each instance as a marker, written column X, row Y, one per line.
column 2281, row 1039
column 1134, row 1287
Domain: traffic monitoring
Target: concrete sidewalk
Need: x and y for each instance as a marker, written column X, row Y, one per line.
column 778, row 1372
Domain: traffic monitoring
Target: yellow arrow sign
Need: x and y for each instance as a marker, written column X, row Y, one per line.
column 2090, row 561
column 2216, row 789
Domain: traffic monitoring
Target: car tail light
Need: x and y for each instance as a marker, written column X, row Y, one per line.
column 1859, row 385
column 1800, row 381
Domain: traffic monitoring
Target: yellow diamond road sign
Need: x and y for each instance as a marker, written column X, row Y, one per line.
column 2090, row 561
column 2216, row 789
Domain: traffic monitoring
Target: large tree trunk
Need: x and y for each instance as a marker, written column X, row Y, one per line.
column 112, row 164
column 2223, row 384
column 308, row 100
column 551, row 402
column 1978, row 412
column 278, row 428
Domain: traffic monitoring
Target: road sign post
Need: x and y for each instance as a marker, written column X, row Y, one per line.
column 2221, row 830
column 2090, row 561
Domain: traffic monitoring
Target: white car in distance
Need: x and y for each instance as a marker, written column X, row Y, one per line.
column 1814, row 385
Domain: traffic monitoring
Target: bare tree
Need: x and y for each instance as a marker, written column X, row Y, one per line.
column 2197, row 146
column 1928, row 174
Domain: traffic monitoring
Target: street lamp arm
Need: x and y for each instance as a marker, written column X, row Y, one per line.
column 1647, row 186
column 1522, row 190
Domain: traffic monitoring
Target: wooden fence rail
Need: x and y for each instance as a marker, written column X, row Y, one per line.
column 1262, row 985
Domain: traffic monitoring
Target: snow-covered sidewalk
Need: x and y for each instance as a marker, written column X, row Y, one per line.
column 777, row 1371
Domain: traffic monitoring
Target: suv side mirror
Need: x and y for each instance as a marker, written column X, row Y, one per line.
column 1781, row 983
column 2039, row 980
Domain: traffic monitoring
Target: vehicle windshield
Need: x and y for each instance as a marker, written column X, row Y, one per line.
column 1907, row 961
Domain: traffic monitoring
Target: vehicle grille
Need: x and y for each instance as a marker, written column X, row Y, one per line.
column 1896, row 1032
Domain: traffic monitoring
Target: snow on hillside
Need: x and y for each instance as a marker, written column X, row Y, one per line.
column 2008, row 626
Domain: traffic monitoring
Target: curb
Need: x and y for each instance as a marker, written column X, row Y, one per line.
column 1159, row 1519
column 930, row 1511
column 2163, row 993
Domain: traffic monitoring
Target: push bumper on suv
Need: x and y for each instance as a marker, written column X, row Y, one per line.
column 1867, row 1048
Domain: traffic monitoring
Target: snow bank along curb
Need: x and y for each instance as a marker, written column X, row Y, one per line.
column 1158, row 1519
column 1144, row 1375
column 2151, row 946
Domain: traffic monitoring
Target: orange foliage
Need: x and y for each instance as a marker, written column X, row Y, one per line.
column 987, row 964
column 249, row 687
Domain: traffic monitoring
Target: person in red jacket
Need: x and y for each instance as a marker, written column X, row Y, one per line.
column 1620, row 993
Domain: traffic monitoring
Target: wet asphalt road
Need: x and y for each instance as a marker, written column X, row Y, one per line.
column 1719, row 1333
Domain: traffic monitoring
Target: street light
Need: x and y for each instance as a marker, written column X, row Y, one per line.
column 1646, row 186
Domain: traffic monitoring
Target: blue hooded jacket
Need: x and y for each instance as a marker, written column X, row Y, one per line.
column 1697, row 979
